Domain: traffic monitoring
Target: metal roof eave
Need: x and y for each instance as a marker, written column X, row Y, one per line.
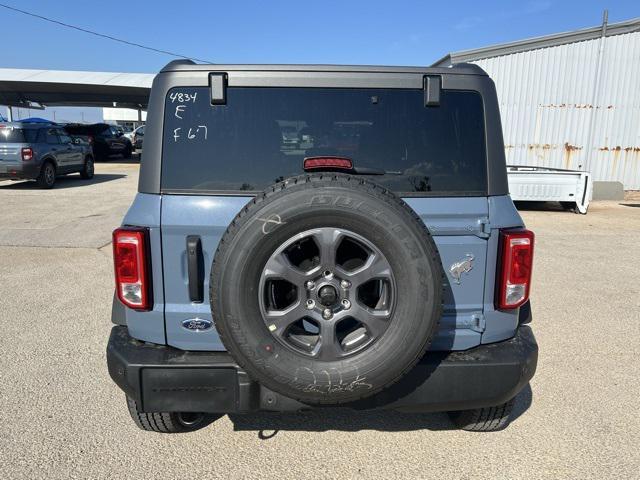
column 628, row 26
column 23, row 88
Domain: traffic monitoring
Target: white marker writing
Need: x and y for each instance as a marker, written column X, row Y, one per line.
column 180, row 109
column 205, row 130
column 183, row 97
column 175, row 134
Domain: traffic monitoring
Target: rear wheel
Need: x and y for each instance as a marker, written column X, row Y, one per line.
column 488, row 419
column 127, row 151
column 87, row 170
column 47, row 176
column 168, row 422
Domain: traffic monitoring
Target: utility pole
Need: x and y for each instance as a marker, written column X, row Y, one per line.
column 595, row 99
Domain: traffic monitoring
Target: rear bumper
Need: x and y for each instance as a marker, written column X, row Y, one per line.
column 164, row 379
column 19, row 171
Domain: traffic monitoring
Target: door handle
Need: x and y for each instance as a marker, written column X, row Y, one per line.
column 195, row 268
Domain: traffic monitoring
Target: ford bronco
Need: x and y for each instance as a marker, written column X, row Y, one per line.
column 306, row 236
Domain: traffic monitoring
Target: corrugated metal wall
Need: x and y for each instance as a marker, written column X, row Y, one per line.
column 550, row 107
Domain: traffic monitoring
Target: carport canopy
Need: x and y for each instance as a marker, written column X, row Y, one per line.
column 42, row 88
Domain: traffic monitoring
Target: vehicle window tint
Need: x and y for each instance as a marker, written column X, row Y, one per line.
column 41, row 135
column 31, row 135
column 52, row 136
column 263, row 135
column 64, row 138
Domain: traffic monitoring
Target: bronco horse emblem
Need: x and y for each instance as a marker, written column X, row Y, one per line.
column 463, row 266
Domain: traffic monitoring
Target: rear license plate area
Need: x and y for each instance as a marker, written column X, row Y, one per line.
column 189, row 389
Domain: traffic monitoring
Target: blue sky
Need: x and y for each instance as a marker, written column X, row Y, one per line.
column 353, row 32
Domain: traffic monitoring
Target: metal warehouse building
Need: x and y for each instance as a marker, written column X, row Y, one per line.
column 570, row 100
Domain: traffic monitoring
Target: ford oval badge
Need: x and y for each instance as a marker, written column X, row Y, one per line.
column 197, row 324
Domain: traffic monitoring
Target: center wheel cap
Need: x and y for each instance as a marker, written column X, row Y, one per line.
column 328, row 295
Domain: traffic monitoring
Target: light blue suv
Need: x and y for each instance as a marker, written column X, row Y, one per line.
column 41, row 152
column 378, row 263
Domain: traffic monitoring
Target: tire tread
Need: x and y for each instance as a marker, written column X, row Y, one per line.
column 162, row 422
column 487, row 419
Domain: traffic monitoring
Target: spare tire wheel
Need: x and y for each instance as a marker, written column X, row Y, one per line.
column 326, row 288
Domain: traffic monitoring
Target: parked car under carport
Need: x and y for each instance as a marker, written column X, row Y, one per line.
column 106, row 139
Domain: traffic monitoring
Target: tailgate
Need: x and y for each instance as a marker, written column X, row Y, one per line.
column 455, row 223
column 10, row 154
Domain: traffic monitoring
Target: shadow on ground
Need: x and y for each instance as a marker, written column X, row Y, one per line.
column 541, row 207
column 268, row 424
column 135, row 159
column 69, row 181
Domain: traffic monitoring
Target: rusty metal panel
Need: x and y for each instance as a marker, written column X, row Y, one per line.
column 617, row 122
column 550, row 105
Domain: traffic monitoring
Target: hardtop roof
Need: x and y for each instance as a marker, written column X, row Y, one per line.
column 190, row 66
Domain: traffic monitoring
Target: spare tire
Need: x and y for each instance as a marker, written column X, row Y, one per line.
column 326, row 288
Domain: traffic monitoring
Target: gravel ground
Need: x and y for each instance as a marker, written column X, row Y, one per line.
column 62, row 417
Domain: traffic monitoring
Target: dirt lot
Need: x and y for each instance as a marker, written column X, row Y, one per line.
column 62, row 417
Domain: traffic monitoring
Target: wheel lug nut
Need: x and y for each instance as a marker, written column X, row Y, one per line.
column 310, row 304
column 346, row 303
column 345, row 284
column 310, row 285
column 327, row 314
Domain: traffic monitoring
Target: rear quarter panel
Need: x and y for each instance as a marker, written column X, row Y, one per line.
column 148, row 326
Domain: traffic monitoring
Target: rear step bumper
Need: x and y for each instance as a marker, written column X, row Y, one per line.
column 165, row 379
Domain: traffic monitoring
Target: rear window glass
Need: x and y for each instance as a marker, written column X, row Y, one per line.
column 17, row 135
column 262, row 135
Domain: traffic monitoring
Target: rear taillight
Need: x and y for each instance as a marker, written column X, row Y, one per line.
column 27, row 154
column 514, row 269
column 90, row 139
column 132, row 267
